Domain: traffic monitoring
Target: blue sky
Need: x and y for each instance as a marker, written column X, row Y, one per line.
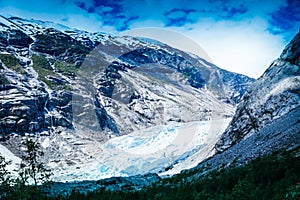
column 241, row 36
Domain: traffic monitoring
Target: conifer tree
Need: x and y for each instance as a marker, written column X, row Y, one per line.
column 32, row 169
column 5, row 177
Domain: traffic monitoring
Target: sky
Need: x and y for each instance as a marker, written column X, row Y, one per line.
column 242, row 36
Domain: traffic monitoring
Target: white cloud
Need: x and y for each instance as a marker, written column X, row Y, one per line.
column 91, row 22
column 170, row 37
column 66, row 14
column 243, row 47
column 146, row 24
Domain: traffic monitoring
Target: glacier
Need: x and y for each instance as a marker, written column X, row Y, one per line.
column 158, row 95
column 163, row 149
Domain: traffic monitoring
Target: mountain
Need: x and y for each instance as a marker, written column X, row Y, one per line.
column 272, row 96
column 92, row 99
column 265, row 127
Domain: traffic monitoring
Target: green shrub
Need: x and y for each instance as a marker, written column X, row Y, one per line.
column 33, row 177
column 12, row 62
column 271, row 177
column 293, row 192
column 65, row 68
column 44, row 69
column 3, row 80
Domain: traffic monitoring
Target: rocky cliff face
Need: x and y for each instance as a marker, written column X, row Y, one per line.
column 53, row 76
column 274, row 94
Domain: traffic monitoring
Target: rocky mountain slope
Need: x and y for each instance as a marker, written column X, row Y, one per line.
column 74, row 90
column 273, row 95
column 41, row 63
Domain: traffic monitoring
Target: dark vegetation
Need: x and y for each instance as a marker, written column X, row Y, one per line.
column 273, row 177
column 43, row 68
column 58, row 44
column 32, row 177
column 65, row 68
column 46, row 73
column 3, row 80
column 12, row 62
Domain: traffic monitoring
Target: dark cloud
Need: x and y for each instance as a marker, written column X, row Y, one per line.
column 111, row 12
column 285, row 18
column 178, row 17
column 231, row 12
column 282, row 15
column 122, row 22
column 218, row 10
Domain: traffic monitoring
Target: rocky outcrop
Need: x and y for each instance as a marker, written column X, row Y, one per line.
column 18, row 39
column 124, row 84
column 20, row 113
column 26, row 109
column 59, row 103
column 60, row 45
column 280, row 135
column 274, row 94
column 15, row 38
column 198, row 72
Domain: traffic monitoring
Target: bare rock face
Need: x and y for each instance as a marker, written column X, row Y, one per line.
column 25, row 109
column 68, row 78
column 60, row 45
column 21, row 112
column 15, row 38
column 274, row 94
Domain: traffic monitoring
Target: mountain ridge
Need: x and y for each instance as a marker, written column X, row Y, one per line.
column 70, row 48
column 97, row 103
column 76, row 92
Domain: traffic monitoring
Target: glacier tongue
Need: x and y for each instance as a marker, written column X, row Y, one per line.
column 164, row 149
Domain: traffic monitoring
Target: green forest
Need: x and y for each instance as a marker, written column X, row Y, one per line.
column 275, row 176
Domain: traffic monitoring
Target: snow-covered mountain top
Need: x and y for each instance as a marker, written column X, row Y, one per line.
column 7, row 24
column 37, row 25
column 33, row 27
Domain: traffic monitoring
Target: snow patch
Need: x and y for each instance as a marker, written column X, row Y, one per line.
column 46, row 143
column 9, row 156
column 290, row 83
